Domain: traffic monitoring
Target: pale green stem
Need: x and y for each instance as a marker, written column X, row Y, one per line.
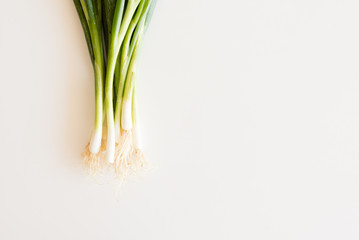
column 99, row 74
column 127, row 94
column 134, row 103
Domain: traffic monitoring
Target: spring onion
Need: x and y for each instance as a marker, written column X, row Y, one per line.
column 114, row 32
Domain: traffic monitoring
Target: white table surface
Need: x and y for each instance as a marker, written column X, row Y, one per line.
column 249, row 109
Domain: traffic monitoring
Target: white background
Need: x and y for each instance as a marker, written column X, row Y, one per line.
column 250, row 110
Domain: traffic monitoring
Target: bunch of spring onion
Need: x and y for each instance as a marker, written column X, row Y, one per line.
column 114, row 31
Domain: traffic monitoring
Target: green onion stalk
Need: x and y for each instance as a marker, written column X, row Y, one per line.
column 137, row 143
column 114, row 31
column 89, row 12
